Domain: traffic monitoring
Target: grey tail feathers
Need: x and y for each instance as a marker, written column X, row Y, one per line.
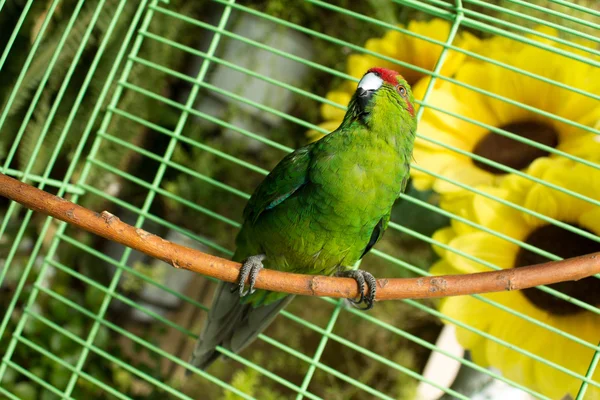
column 232, row 325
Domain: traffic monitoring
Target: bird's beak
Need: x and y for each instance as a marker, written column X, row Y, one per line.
column 364, row 96
column 366, row 87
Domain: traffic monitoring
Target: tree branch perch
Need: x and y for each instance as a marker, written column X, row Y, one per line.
column 112, row 228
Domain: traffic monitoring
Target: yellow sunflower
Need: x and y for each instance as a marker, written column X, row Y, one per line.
column 533, row 303
column 466, row 136
column 504, row 45
column 403, row 47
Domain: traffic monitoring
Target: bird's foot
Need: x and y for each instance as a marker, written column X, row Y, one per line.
column 361, row 277
column 250, row 269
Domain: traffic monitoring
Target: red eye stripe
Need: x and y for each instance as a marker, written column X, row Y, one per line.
column 410, row 108
column 388, row 75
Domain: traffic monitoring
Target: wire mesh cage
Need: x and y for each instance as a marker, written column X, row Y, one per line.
column 169, row 113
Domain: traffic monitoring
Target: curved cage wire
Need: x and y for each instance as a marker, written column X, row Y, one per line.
column 168, row 114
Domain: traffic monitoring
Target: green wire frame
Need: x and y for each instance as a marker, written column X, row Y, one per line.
column 127, row 57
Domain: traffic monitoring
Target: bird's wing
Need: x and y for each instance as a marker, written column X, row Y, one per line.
column 377, row 232
column 284, row 180
column 382, row 225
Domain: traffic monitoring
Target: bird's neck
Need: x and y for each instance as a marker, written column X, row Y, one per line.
column 383, row 123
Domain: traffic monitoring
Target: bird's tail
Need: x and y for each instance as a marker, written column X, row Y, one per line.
column 232, row 324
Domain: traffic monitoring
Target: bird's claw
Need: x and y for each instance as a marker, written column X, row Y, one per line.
column 361, row 277
column 249, row 270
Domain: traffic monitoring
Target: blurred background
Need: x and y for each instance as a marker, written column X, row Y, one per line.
column 169, row 113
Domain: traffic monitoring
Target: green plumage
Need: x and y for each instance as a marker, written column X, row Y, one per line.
column 320, row 209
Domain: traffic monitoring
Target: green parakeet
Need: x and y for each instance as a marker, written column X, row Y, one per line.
column 321, row 209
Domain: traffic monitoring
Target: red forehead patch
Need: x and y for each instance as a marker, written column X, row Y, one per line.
column 388, row 75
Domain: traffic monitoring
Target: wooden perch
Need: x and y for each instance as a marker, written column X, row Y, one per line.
column 112, row 228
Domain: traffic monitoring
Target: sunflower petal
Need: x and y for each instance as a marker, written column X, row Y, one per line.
column 460, row 102
column 464, row 172
column 591, row 220
column 330, row 112
column 543, row 201
column 480, row 246
column 569, row 354
column 425, row 54
column 435, row 162
column 444, row 236
column 357, row 64
column 431, row 133
column 517, row 332
column 498, row 216
column 474, row 314
column 442, row 268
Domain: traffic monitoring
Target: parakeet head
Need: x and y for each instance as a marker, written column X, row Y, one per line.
column 384, row 90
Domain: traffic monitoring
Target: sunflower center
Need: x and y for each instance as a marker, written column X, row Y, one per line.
column 565, row 244
column 512, row 153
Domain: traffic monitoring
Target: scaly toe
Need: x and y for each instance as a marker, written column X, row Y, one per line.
column 360, row 281
column 362, row 277
column 250, row 268
column 372, row 286
column 253, row 275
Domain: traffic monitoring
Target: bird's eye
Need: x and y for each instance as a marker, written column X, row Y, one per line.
column 401, row 90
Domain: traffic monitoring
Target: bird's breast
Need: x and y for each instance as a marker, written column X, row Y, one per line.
column 352, row 194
